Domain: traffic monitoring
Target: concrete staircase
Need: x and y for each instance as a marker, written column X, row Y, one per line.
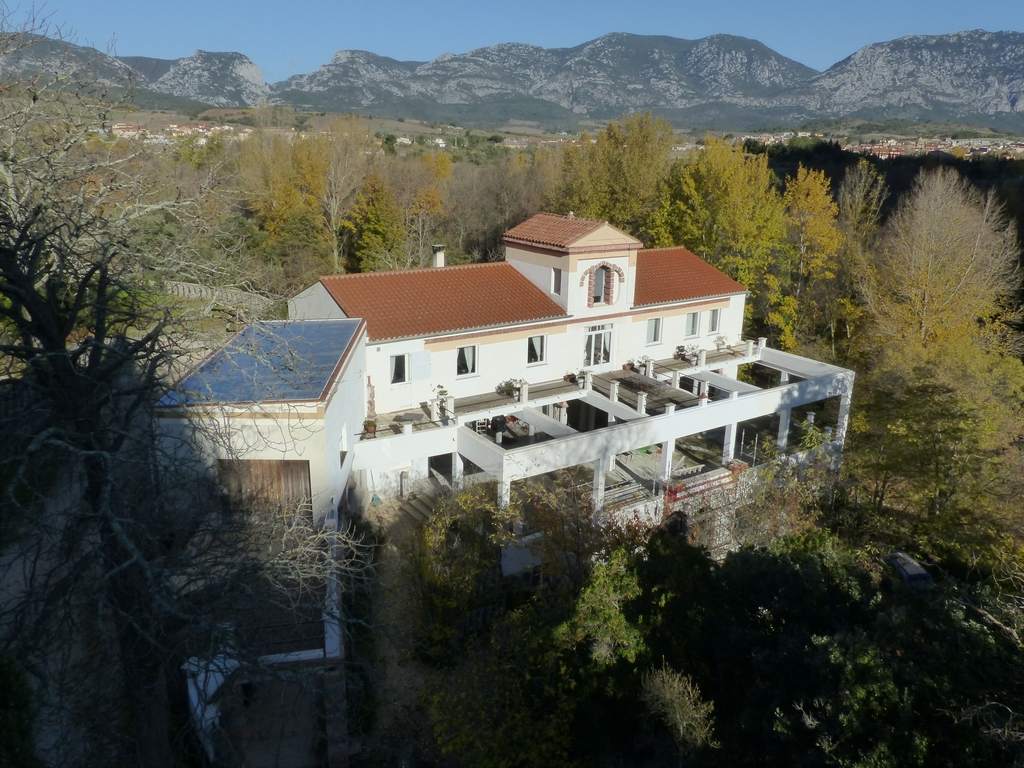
column 420, row 503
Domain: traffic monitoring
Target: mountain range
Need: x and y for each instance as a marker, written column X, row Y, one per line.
column 719, row 81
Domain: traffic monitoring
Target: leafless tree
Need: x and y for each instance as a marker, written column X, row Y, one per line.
column 115, row 563
column 346, row 149
column 948, row 259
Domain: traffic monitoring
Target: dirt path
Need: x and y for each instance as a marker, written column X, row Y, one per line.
column 401, row 731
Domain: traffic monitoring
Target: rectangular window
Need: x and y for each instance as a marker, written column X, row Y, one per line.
column 535, row 350
column 598, row 348
column 692, row 324
column 556, row 282
column 654, row 330
column 399, row 369
column 465, row 361
column 714, row 319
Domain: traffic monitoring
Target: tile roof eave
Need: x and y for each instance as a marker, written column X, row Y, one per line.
column 537, row 244
column 571, row 249
column 467, row 329
column 692, row 298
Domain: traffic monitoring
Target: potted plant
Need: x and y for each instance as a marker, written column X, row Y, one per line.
column 440, row 391
column 687, row 352
column 509, row 387
column 570, row 377
column 721, row 342
column 370, row 428
column 628, row 366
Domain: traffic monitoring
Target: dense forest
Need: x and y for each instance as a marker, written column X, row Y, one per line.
column 635, row 647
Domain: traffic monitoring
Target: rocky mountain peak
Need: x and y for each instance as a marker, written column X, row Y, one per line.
column 221, row 79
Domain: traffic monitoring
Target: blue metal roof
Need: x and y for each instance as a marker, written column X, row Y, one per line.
column 269, row 362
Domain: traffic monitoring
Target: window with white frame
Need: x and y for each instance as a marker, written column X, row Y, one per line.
column 535, row 349
column 714, row 320
column 654, row 330
column 399, row 369
column 692, row 324
column 598, row 347
column 465, row 361
column 556, row 281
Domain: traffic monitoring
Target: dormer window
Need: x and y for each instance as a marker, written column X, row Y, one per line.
column 600, row 282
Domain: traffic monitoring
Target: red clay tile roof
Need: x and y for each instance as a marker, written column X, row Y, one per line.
column 676, row 274
column 419, row 302
column 553, row 231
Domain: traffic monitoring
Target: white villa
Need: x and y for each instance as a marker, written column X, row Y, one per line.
column 511, row 370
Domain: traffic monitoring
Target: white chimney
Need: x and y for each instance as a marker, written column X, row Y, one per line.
column 438, row 255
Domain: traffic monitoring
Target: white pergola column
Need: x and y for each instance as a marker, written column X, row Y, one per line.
column 729, row 443
column 783, row 438
column 599, row 475
column 613, row 391
column 844, row 411
column 668, row 449
column 504, row 493
column 457, row 467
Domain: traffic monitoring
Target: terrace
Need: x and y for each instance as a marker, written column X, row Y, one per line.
column 656, row 389
column 634, row 431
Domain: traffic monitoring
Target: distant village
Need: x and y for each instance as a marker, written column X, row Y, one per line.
column 174, row 132
column 1004, row 148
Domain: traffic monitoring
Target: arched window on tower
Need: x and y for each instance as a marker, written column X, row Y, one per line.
column 602, row 281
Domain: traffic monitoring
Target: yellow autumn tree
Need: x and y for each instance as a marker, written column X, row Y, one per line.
column 618, row 176
column 725, row 206
column 270, row 171
column 815, row 239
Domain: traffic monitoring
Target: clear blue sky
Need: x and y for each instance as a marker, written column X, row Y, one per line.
column 287, row 38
